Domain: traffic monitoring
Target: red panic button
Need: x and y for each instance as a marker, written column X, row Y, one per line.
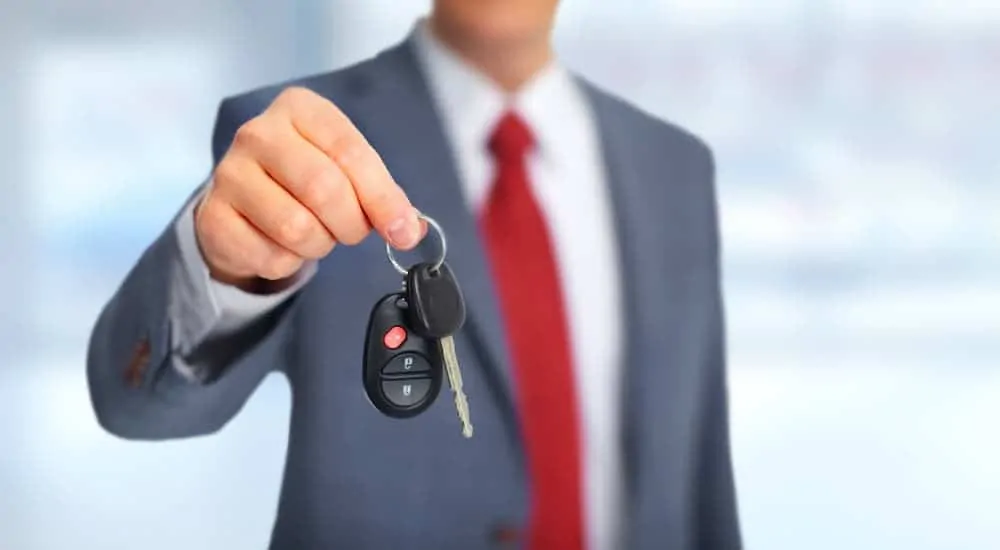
column 394, row 337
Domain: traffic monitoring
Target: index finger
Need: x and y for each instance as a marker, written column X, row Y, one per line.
column 385, row 204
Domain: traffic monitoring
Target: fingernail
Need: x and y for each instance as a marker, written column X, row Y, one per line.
column 404, row 233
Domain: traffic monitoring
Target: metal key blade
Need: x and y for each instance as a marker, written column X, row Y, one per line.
column 455, row 381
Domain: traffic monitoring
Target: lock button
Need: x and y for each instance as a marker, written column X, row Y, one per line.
column 406, row 392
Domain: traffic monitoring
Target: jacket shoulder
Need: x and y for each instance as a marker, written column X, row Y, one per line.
column 643, row 126
column 671, row 165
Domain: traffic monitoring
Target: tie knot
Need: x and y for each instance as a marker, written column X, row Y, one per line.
column 511, row 138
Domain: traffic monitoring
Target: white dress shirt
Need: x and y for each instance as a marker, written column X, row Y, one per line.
column 568, row 178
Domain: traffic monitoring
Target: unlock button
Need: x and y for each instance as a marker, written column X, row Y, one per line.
column 406, row 392
column 406, row 363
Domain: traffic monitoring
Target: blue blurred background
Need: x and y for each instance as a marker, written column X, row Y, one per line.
column 859, row 177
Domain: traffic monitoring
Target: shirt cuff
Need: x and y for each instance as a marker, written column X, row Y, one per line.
column 206, row 308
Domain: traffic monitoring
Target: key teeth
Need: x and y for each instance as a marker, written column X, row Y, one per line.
column 455, row 382
column 462, row 404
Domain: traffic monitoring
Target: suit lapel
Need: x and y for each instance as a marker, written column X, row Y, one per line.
column 625, row 187
column 410, row 137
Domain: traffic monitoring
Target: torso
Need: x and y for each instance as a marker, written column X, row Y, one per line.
column 357, row 479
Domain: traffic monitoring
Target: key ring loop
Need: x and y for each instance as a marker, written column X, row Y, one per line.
column 444, row 246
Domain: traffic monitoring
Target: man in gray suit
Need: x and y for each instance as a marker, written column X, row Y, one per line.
column 583, row 233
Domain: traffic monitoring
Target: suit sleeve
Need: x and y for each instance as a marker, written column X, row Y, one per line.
column 162, row 361
column 718, row 525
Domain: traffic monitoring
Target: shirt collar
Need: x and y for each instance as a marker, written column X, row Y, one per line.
column 471, row 104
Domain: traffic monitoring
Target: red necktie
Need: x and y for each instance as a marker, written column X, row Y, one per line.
column 524, row 270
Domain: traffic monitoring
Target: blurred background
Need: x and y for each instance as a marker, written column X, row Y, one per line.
column 859, row 179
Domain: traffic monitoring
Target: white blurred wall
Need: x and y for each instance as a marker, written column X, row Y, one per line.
column 858, row 167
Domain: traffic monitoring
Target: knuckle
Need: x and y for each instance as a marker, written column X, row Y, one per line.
column 226, row 174
column 322, row 133
column 294, row 228
column 252, row 134
column 318, row 188
column 348, row 152
column 292, row 94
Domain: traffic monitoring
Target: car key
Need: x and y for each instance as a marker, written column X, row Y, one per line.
column 402, row 370
column 436, row 311
column 409, row 337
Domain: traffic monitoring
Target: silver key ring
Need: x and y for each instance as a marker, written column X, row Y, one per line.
column 444, row 246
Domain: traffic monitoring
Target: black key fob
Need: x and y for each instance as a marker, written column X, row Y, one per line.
column 436, row 305
column 402, row 371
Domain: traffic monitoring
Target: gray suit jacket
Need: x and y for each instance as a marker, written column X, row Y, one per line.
column 356, row 479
